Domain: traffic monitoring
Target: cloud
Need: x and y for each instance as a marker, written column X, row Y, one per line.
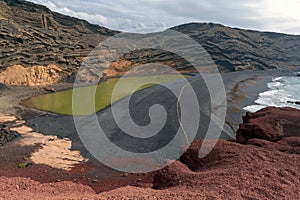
column 156, row 15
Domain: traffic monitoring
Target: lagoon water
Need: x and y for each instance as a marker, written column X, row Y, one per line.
column 281, row 93
column 61, row 102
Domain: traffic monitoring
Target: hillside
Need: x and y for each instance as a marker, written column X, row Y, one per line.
column 238, row 49
column 33, row 35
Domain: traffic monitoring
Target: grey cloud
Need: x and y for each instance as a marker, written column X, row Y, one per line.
column 156, row 15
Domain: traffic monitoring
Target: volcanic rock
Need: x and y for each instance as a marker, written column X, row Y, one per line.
column 34, row 35
column 294, row 102
column 270, row 124
column 235, row 49
column 3, row 87
column 7, row 135
column 236, row 171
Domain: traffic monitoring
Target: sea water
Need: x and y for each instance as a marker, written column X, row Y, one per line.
column 282, row 92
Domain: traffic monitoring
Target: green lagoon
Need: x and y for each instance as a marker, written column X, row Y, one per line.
column 61, row 102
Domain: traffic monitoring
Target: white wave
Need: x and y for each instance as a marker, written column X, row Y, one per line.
column 277, row 79
column 254, row 108
column 275, row 85
column 282, row 91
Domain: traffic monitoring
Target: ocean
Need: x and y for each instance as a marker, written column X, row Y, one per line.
column 282, row 92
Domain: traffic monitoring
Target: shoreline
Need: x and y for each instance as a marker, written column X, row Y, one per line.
column 245, row 91
column 242, row 89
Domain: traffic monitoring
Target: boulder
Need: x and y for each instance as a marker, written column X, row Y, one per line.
column 294, row 102
column 270, row 124
column 7, row 135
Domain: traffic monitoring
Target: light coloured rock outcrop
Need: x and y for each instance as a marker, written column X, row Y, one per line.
column 32, row 76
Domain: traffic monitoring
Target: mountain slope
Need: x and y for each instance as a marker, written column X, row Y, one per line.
column 237, row 49
column 231, row 49
column 31, row 34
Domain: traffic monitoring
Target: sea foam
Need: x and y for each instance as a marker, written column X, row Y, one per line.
column 283, row 92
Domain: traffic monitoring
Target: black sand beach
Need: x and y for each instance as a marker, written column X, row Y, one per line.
column 242, row 89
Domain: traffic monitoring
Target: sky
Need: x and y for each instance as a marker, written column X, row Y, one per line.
column 156, row 15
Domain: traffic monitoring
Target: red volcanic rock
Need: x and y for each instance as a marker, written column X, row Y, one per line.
column 213, row 159
column 269, row 124
column 172, row 176
column 259, row 170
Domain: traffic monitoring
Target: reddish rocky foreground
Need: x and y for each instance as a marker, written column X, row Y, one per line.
column 260, row 168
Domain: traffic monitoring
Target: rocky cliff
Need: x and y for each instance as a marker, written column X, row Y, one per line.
column 33, row 35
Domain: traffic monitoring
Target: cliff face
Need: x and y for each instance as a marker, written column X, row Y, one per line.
column 33, row 35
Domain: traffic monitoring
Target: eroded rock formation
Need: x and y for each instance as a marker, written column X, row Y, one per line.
column 270, row 124
column 32, row 76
